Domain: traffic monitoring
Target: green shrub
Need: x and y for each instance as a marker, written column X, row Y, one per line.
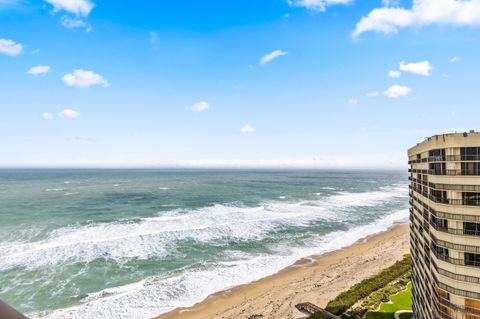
column 363, row 289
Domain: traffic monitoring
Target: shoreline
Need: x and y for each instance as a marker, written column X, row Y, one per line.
column 316, row 279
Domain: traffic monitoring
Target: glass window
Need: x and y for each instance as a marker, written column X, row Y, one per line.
column 470, row 153
column 472, row 199
column 472, row 259
column 470, row 168
column 471, row 228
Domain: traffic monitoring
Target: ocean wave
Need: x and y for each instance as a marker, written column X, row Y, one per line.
column 157, row 295
column 147, row 237
column 220, row 224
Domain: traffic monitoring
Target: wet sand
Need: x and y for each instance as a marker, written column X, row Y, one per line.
column 316, row 279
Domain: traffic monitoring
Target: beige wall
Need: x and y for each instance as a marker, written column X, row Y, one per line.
column 454, row 280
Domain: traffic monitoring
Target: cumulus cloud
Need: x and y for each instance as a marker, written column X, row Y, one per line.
column 200, row 106
column 394, row 74
column 422, row 68
column 353, row 101
column 272, row 56
column 74, row 23
column 69, row 114
column 47, row 116
column 84, row 79
column 396, row 91
column 317, row 5
column 38, row 70
column 247, row 129
column 372, row 94
column 10, row 47
column 76, row 7
column 423, row 12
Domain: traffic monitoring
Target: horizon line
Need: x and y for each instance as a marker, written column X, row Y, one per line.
column 397, row 168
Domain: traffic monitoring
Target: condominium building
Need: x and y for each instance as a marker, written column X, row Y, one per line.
column 445, row 226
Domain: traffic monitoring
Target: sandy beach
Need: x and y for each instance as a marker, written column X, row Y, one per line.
column 317, row 279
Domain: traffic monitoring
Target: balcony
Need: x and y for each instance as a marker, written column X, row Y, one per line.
column 447, row 172
column 454, row 276
column 456, row 202
column 447, row 158
column 455, row 261
column 455, row 231
column 447, row 303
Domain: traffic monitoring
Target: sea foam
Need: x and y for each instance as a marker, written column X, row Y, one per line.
column 154, row 236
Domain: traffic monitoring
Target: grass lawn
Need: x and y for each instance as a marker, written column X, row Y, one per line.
column 399, row 301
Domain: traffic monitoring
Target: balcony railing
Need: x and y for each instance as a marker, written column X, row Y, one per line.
column 449, row 245
column 455, row 261
column 455, row 231
column 464, row 202
column 455, row 291
column 452, row 187
column 455, row 276
column 447, row 303
column 447, row 158
column 447, row 172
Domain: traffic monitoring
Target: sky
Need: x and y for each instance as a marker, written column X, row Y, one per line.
column 211, row 83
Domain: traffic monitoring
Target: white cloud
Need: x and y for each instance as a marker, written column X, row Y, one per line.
column 69, row 114
column 421, row 68
column 40, row 69
column 353, row 101
column 200, row 106
column 423, row 12
column 84, row 79
column 47, row 116
column 372, row 94
column 10, row 47
column 396, row 91
column 317, row 5
column 272, row 56
column 77, row 7
column 394, row 74
column 73, row 23
column 455, row 59
column 247, row 129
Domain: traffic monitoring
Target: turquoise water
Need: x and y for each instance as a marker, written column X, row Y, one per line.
column 136, row 243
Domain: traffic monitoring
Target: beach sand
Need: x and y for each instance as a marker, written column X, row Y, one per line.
column 316, row 279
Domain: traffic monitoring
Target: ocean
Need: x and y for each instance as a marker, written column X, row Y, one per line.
column 138, row 243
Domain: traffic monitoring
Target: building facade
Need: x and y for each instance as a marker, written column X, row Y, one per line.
column 445, row 226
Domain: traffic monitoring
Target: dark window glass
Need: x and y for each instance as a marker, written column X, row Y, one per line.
column 472, row 259
column 469, row 153
column 438, row 154
column 439, row 222
column 440, row 251
column 470, row 168
column 472, row 199
column 471, row 228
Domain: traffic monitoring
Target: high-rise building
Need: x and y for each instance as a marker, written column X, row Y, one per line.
column 445, row 226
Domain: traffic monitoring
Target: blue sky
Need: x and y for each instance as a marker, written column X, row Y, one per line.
column 204, row 83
